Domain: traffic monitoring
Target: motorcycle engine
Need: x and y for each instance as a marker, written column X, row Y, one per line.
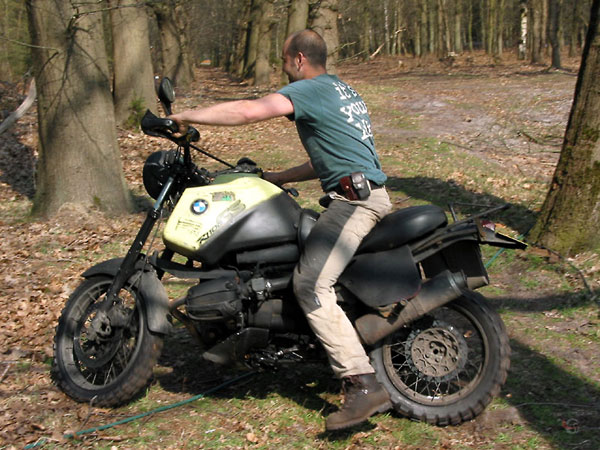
column 214, row 300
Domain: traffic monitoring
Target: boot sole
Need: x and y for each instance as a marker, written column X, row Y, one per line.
column 377, row 410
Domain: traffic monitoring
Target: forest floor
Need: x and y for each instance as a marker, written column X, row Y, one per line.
column 469, row 131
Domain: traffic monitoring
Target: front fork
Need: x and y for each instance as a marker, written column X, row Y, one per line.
column 102, row 321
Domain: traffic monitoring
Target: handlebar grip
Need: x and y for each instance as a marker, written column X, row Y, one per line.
column 171, row 125
column 158, row 126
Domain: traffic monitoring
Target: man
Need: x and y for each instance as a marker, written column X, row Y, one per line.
column 335, row 130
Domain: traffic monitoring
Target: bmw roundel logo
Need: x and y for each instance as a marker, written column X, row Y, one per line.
column 199, row 206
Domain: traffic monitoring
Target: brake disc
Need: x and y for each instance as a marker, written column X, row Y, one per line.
column 437, row 352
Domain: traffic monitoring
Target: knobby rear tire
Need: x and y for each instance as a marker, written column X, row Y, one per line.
column 445, row 368
column 107, row 373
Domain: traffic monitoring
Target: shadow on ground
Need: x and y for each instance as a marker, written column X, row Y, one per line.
column 562, row 407
column 17, row 165
column 549, row 302
column 441, row 193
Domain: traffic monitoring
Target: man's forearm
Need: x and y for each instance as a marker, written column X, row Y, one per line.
column 228, row 113
column 302, row 172
column 238, row 112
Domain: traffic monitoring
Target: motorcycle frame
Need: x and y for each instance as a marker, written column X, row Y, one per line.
column 129, row 265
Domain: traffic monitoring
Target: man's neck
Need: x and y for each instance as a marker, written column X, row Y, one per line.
column 313, row 72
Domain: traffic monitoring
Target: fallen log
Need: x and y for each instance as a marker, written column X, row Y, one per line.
column 21, row 110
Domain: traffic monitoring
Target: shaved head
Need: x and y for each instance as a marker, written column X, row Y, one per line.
column 311, row 44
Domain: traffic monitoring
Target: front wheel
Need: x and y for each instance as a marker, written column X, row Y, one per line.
column 446, row 367
column 106, row 366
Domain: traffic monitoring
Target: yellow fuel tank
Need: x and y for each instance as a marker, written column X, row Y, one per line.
column 204, row 213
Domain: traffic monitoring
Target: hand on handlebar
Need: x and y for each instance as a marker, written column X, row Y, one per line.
column 183, row 125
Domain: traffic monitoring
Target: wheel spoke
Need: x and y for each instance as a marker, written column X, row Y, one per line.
column 101, row 361
column 437, row 358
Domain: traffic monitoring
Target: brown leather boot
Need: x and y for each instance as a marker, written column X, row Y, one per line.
column 363, row 397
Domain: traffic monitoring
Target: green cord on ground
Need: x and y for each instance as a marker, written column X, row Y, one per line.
column 499, row 252
column 42, row 441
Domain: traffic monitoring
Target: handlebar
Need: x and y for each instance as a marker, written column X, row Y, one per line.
column 166, row 128
column 158, row 126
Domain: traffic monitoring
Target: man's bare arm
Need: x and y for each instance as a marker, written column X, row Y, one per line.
column 302, row 172
column 237, row 112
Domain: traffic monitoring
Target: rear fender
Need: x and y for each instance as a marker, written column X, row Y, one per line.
column 152, row 292
column 461, row 256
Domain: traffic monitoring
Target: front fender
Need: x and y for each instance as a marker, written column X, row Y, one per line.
column 152, row 292
column 108, row 267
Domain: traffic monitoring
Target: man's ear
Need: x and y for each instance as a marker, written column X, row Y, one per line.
column 300, row 58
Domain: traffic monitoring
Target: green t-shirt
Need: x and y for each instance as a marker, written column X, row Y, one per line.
column 334, row 126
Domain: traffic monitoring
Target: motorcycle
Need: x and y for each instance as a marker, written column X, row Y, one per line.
column 437, row 347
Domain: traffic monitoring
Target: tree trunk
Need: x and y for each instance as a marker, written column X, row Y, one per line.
column 491, row 27
column 554, row 12
column 365, row 40
column 386, row 27
column 297, row 16
column 431, row 21
column 324, row 21
column 133, row 75
column 568, row 221
column 573, row 29
column 522, row 52
column 439, row 30
column 239, row 65
column 535, row 40
column 78, row 154
column 263, row 51
column 444, row 14
column 458, row 43
column 296, row 21
column 499, row 48
column 171, row 19
column 470, row 27
column 544, row 25
column 252, row 39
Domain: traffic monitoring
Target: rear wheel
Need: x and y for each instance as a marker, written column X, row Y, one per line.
column 446, row 367
column 110, row 365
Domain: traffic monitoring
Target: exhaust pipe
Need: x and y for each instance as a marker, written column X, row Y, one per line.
column 441, row 289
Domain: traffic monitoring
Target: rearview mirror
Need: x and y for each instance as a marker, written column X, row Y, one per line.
column 166, row 94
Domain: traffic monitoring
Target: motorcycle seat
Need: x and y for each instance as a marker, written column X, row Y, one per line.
column 403, row 226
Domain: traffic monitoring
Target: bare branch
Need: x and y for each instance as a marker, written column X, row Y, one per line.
column 25, row 44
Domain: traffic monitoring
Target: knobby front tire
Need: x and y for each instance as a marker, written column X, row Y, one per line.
column 109, row 370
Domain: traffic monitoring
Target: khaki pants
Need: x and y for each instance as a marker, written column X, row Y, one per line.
column 328, row 250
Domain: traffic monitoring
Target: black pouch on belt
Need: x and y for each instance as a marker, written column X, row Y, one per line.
column 361, row 185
